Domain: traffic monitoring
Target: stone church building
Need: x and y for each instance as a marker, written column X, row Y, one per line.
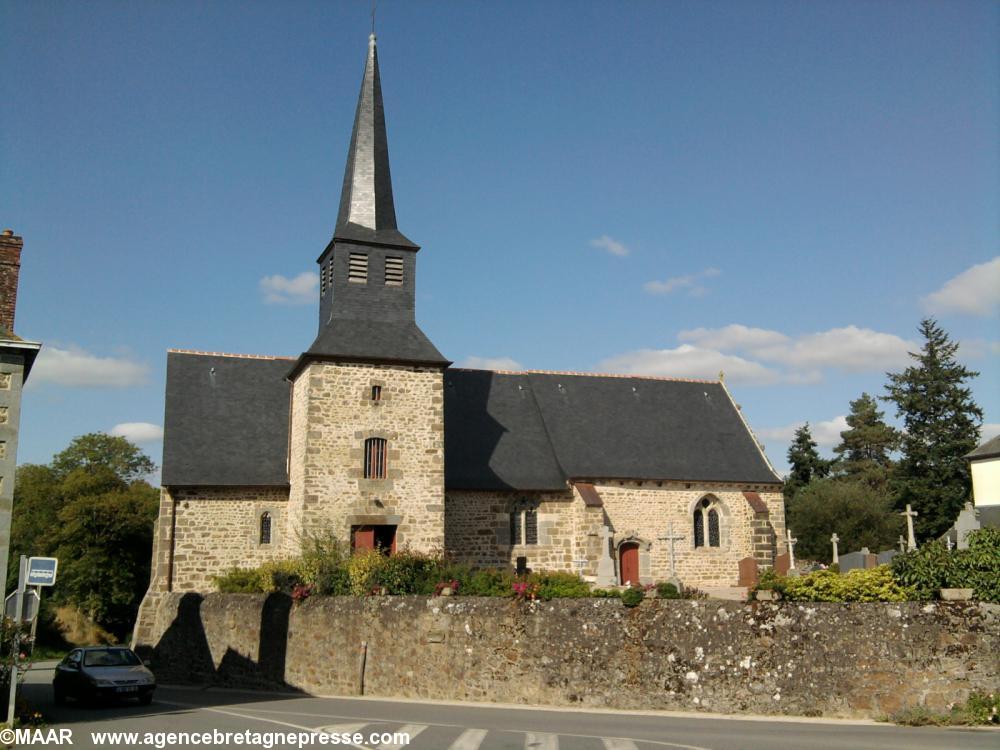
column 371, row 436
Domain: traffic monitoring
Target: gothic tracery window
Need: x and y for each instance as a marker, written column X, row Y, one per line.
column 707, row 528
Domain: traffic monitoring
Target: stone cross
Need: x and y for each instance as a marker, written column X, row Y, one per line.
column 902, row 544
column 833, row 540
column 605, row 565
column 670, row 538
column 791, row 541
column 911, row 541
column 948, row 543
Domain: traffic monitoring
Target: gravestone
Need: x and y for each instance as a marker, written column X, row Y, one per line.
column 855, row 560
column 782, row 564
column 886, row 557
column 749, row 572
column 968, row 520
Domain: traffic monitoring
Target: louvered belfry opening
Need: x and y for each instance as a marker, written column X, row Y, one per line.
column 375, row 458
column 357, row 268
column 393, row 271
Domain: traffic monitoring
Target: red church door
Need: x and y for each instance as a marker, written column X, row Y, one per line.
column 628, row 563
column 374, row 537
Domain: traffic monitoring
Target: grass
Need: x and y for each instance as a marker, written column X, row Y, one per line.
column 981, row 709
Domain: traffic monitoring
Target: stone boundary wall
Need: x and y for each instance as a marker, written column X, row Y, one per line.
column 846, row 660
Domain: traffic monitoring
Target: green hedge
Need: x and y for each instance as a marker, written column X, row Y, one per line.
column 933, row 567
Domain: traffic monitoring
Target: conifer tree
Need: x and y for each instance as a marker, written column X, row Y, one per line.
column 864, row 453
column 941, row 425
column 805, row 462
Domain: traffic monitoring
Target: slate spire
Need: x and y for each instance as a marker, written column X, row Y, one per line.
column 367, row 212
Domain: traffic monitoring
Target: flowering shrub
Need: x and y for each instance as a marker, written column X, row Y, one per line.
column 442, row 585
column 525, row 590
column 301, row 592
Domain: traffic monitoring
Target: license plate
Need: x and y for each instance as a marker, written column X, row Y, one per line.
column 129, row 689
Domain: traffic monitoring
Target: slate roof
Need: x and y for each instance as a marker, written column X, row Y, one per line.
column 989, row 449
column 367, row 212
column 226, row 420
column 539, row 430
column 374, row 341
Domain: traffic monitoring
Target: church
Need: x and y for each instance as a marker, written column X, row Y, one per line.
column 372, row 437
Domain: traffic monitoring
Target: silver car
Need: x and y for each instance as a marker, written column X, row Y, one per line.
column 103, row 672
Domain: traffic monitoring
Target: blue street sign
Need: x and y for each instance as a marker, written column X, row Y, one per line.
column 41, row 571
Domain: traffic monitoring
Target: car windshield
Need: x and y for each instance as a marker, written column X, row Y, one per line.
column 110, row 657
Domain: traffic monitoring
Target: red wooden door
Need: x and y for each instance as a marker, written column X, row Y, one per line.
column 363, row 538
column 628, row 562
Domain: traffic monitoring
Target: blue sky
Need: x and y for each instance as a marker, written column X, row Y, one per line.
column 777, row 190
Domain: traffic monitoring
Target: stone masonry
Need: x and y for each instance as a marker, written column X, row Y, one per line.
column 332, row 416
column 837, row 660
column 477, row 529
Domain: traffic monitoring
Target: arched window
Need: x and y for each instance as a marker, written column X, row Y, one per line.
column 265, row 528
column 375, row 458
column 706, row 524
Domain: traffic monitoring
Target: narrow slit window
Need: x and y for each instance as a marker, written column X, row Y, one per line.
column 265, row 528
column 713, row 528
column 531, row 526
column 375, row 458
column 515, row 527
column 376, row 393
column 357, row 268
column 699, row 529
column 393, row 271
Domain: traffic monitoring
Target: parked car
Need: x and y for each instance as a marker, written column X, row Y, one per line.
column 103, row 672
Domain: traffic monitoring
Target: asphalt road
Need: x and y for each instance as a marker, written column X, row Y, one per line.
column 466, row 726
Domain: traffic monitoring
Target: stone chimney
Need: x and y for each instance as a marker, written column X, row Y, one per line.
column 10, row 270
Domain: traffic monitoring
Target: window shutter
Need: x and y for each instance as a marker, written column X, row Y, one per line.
column 393, row 271
column 357, row 268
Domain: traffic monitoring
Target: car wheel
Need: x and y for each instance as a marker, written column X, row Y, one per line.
column 145, row 700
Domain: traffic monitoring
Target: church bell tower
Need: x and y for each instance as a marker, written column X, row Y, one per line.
column 366, row 458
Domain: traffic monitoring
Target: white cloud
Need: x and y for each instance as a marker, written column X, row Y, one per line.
column 691, row 282
column 850, row 348
column 826, row 433
column 975, row 291
column 77, row 368
column 490, row 363
column 611, row 245
column 736, row 337
column 988, row 431
column 138, row 432
column 688, row 361
column 280, row 290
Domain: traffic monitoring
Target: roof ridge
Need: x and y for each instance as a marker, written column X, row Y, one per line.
column 229, row 354
column 591, row 375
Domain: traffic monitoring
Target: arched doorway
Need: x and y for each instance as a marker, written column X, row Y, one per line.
column 628, row 563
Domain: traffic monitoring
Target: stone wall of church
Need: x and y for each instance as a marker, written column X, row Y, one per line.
column 333, row 413
column 477, row 529
column 218, row 528
column 641, row 511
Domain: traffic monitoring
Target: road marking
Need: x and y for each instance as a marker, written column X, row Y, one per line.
column 540, row 741
column 341, row 728
column 410, row 730
column 470, row 739
column 618, row 743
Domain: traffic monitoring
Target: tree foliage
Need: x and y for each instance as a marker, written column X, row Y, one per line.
column 941, row 425
column 90, row 509
column 864, row 452
column 858, row 513
column 805, row 461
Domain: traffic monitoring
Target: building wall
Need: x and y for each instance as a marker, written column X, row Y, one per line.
column 823, row 659
column 11, row 383
column 478, row 523
column 986, row 482
column 332, row 416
